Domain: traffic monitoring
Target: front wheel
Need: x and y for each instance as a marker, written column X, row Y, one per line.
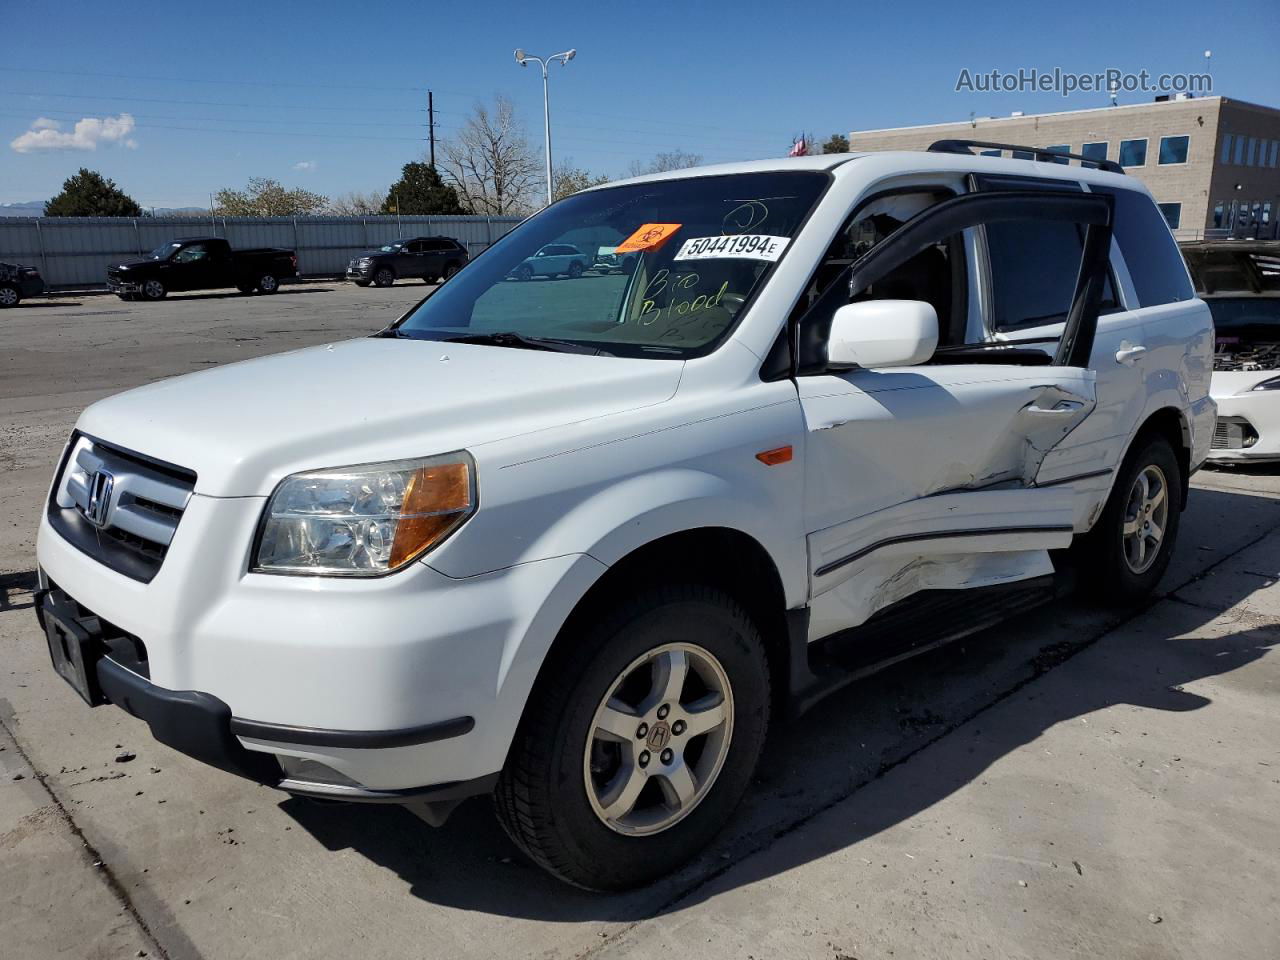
column 153, row 290
column 1128, row 550
column 9, row 296
column 524, row 272
column 639, row 739
column 384, row 277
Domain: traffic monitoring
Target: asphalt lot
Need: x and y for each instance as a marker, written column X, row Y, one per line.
column 1077, row 782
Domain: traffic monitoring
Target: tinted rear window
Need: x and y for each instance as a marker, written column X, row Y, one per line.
column 1155, row 266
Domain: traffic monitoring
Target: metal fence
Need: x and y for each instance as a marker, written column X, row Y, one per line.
column 74, row 252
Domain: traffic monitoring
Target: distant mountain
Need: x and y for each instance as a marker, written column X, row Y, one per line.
column 28, row 208
column 35, row 208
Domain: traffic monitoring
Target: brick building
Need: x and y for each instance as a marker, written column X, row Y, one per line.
column 1213, row 164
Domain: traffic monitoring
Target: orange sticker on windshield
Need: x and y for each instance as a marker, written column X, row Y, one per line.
column 651, row 236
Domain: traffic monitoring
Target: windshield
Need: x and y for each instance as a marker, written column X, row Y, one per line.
column 689, row 254
column 162, row 252
column 1241, row 313
column 390, row 248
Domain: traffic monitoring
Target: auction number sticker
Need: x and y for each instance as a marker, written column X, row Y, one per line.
column 745, row 246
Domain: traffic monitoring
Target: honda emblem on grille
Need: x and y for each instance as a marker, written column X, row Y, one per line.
column 100, row 484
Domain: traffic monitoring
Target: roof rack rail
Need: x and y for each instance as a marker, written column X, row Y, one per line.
column 962, row 146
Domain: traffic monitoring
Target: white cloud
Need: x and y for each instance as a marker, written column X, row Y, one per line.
column 305, row 165
column 46, row 134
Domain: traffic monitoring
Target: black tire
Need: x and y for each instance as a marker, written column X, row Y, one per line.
column 152, row 290
column 385, row 277
column 10, row 296
column 541, row 798
column 524, row 272
column 575, row 270
column 268, row 283
column 1105, row 565
column 451, row 268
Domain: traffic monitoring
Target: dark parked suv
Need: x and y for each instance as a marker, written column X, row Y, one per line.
column 17, row 282
column 431, row 258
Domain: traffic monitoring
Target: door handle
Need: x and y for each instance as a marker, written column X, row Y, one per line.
column 1129, row 352
column 1060, row 408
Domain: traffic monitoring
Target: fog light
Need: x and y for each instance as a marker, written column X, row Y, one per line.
column 306, row 770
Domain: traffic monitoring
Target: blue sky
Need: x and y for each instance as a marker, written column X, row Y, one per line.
column 331, row 96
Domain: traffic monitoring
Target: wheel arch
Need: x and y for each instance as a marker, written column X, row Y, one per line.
column 1172, row 424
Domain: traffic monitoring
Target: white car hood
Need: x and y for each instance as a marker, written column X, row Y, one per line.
column 244, row 426
column 1229, row 383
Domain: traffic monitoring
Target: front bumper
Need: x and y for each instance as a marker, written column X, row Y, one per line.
column 121, row 286
column 1248, row 428
column 397, row 684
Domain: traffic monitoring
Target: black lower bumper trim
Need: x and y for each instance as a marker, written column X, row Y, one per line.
column 191, row 722
column 352, row 739
column 438, row 793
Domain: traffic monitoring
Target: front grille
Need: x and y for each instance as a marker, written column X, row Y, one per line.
column 1233, row 433
column 119, row 507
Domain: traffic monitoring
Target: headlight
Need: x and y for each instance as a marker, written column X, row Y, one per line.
column 364, row 262
column 367, row 520
column 1272, row 384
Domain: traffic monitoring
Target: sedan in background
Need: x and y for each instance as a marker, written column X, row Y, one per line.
column 18, row 282
column 1240, row 281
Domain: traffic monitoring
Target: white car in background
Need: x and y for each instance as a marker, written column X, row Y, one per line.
column 553, row 260
column 1240, row 280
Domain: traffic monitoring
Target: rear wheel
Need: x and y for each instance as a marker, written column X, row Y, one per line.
column 1128, row 550
column 153, row 290
column 639, row 739
column 385, row 277
column 575, row 270
column 9, row 296
column 267, row 283
column 450, row 269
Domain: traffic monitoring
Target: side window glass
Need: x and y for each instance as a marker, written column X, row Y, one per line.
column 1155, row 265
column 1034, row 266
column 191, row 254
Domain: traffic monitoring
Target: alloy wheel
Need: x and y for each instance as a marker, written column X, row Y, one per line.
column 1146, row 517
column 8, row 297
column 658, row 739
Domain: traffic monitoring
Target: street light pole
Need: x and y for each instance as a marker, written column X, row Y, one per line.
column 523, row 59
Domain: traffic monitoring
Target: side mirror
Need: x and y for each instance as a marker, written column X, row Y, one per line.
column 882, row 333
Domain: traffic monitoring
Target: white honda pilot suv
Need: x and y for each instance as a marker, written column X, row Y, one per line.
column 577, row 543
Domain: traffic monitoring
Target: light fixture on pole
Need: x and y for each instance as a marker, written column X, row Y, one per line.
column 523, row 59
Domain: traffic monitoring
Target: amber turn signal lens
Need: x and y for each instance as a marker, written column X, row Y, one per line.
column 436, row 499
column 771, row 458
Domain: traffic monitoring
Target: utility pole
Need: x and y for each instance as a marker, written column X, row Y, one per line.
column 431, row 126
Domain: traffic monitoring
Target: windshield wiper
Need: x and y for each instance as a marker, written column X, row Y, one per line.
column 509, row 338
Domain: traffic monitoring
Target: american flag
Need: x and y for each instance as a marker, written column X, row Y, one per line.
column 799, row 147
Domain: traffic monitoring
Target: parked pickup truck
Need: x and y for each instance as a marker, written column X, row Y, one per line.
column 201, row 263
column 578, row 544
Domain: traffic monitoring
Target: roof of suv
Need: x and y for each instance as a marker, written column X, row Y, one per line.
column 914, row 158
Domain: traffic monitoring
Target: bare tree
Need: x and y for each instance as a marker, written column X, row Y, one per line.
column 566, row 179
column 490, row 163
column 355, row 204
column 672, row 160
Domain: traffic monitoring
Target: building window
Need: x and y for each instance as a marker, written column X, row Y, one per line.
column 1266, row 212
column 1253, row 150
column 990, row 153
column 1219, row 210
column 1133, row 153
column 1275, row 151
column 1225, row 155
column 1095, row 151
column 1241, row 143
column 1060, row 148
column 1023, row 155
column 1172, row 214
column 1173, row 149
